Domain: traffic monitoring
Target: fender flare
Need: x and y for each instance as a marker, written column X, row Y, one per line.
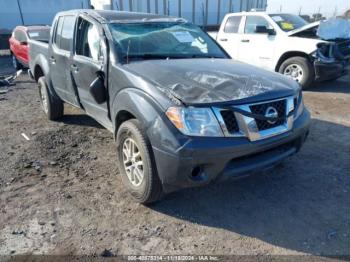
column 137, row 103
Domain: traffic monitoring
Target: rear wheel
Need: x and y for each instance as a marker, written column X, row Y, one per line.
column 52, row 105
column 299, row 69
column 136, row 163
column 16, row 64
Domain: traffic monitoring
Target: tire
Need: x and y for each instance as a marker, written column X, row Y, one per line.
column 52, row 105
column 149, row 188
column 16, row 64
column 303, row 68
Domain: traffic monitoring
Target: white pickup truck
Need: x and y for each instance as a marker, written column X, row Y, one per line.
column 283, row 43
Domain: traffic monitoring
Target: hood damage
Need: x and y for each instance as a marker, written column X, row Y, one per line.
column 334, row 36
column 203, row 81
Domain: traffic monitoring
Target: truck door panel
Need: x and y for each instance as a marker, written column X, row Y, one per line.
column 59, row 58
column 256, row 48
column 228, row 38
column 87, row 64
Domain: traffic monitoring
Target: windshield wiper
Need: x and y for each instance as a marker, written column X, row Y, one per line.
column 205, row 56
column 150, row 56
column 146, row 56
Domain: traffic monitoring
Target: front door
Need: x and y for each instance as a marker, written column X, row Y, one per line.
column 90, row 61
column 257, row 48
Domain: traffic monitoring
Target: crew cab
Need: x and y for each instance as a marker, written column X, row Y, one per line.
column 183, row 113
column 19, row 43
column 283, row 43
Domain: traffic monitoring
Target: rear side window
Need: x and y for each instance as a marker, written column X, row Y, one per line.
column 232, row 24
column 58, row 33
column 64, row 32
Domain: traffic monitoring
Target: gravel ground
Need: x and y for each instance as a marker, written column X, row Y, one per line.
column 61, row 193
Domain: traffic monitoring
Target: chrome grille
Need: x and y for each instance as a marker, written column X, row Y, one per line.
column 234, row 123
column 260, row 109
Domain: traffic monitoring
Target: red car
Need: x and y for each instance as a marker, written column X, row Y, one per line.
column 19, row 43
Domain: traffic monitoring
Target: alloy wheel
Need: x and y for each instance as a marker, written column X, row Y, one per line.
column 133, row 163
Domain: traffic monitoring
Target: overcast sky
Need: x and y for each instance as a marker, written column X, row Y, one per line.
column 309, row 6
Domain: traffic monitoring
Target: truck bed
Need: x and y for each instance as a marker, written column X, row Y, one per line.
column 38, row 52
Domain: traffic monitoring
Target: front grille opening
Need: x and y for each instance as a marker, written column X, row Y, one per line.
column 260, row 109
column 230, row 121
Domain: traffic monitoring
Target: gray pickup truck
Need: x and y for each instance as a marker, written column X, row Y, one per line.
column 183, row 113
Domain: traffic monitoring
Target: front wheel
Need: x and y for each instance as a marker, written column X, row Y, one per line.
column 136, row 163
column 299, row 69
column 52, row 105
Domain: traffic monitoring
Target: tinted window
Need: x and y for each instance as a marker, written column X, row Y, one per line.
column 58, row 31
column 89, row 40
column 20, row 36
column 64, row 32
column 232, row 24
column 253, row 21
column 67, row 32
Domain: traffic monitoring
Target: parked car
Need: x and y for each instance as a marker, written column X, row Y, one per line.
column 283, row 43
column 183, row 113
column 19, row 43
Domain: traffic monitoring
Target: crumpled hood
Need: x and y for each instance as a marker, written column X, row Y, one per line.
column 304, row 28
column 198, row 81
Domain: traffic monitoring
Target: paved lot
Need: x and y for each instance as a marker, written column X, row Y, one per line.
column 60, row 192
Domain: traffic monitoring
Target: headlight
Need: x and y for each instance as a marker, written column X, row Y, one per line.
column 299, row 106
column 193, row 121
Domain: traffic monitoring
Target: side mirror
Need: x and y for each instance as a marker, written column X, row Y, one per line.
column 261, row 29
column 98, row 91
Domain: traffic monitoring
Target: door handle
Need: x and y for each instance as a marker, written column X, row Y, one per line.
column 75, row 68
column 52, row 60
column 245, row 40
column 223, row 39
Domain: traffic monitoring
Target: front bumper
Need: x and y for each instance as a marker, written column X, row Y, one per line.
column 329, row 71
column 205, row 160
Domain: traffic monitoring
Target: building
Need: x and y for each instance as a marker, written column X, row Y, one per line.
column 200, row 12
column 32, row 12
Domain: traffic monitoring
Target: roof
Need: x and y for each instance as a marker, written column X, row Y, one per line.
column 107, row 16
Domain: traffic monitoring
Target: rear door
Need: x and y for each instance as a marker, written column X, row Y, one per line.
column 229, row 37
column 59, row 58
column 89, row 61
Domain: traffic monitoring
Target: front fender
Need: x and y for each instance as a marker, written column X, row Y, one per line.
column 161, row 133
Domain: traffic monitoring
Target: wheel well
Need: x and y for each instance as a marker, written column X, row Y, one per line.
column 288, row 55
column 121, row 117
column 38, row 72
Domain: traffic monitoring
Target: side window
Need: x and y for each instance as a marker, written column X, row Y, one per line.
column 88, row 41
column 20, row 36
column 57, row 38
column 253, row 21
column 232, row 24
column 67, row 33
column 64, row 32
